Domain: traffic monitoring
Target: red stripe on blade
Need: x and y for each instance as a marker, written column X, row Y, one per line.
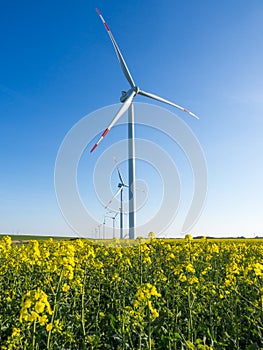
column 186, row 110
column 105, row 132
column 93, row 147
column 98, row 11
column 106, row 26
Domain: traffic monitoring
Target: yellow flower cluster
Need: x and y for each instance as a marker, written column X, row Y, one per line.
column 143, row 297
column 146, row 291
column 35, row 307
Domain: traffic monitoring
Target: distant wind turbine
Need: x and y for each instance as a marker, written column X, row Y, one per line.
column 121, row 186
column 127, row 99
column 113, row 217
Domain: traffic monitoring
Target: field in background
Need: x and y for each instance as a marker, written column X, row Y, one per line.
column 144, row 294
column 21, row 238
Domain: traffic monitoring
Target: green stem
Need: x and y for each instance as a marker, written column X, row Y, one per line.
column 149, row 330
column 190, row 327
column 83, row 306
column 55, row 309
column 34, row 334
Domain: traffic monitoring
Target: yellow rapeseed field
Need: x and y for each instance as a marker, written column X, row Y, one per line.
column 150, row 294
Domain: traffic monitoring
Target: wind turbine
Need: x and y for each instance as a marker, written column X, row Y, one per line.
column 121, row 186
column 127, row 99
column 99, row 226
column 113, row 217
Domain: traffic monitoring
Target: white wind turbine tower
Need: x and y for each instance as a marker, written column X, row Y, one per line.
column 113, row 218
column 127, row 98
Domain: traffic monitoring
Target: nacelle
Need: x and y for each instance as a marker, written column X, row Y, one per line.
column 126, row 94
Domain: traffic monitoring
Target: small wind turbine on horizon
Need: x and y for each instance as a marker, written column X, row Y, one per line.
column 127, row 99
column 113, row 217
column 121, row 186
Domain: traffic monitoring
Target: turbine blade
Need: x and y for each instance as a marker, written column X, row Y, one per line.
column 158, row 98
column 120, row 112
column 118, row 170
column 118, row 52
column 115, row 195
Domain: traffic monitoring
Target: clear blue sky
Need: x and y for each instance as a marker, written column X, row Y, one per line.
column 57, row 65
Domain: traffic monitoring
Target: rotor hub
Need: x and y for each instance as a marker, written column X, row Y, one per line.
column 136, row 89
